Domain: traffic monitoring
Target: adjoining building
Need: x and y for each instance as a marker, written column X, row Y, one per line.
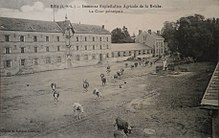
column 120, row 52
column 210, row 100
column 153, row 40
column 29, row 46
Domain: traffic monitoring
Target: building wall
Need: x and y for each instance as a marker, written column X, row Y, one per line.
column 124, row 55
column 51, row 54
column 156, row 43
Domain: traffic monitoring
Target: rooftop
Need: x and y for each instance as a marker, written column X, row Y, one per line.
column 210, row 98
column 129, row 46
column 26, row 25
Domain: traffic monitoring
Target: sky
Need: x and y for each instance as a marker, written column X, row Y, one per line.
column 133, row 18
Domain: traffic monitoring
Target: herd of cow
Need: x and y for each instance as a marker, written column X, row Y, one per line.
column 123, row 128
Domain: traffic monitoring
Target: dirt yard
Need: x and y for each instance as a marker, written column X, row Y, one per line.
column 165, row 105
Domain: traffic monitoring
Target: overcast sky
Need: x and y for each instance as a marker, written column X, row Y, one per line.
column 133, row 19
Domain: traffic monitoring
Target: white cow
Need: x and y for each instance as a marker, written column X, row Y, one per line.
column 97, row 93
column 78, row 110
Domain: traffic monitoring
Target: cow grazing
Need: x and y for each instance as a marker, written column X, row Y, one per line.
column 85, row 85
column 123, row 125
column 53, row 86
column 103, row 79
column 97, row 93
column 78, row 110
column 56, row 95
column 108, row 70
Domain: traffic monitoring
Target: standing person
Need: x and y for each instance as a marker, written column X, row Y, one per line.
column 165, row 64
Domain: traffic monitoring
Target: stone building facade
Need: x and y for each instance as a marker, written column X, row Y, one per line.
column 121, row 52
column 29, row 46
column 153, row 40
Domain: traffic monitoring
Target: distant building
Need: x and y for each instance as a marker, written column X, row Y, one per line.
column 210, row 100
column 152, row 39
column 31, row 45
column 123, row 51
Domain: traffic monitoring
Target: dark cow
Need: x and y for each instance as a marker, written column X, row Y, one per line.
column 53, row 86
column 56, row 95
column 123, row 125
column 103, row 79
column 85, row 85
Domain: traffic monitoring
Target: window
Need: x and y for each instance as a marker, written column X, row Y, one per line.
column 22, row 49
column 85, row 57
column 112, row 54
column 139, row 52
column 144, row 52
column 100, row 46
column 47, row 49
column 130, row 53
column 93, row 38
column 85, row 47
column 35, row 61
column 85, row 39
column 58, row 48
column 93, row 47
column 48, row 60
column 47, row 38
column 107, row 39
column 124, row 54
column 77, row 47
column 100, row 38
column 7, row 63
column 77, row 39
column 7, row 38
column 35, row 49
column 57, row 38
column 7, row 50
column 59, row 59
column 35, row 38
column 22, row 62
column 107, row 55
column 22, row 38
column 118, row 54
column 77, row 57
column 148, row 51
column 93, row 57
column 107, row 46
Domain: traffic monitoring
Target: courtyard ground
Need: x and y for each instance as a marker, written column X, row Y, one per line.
column 166, row 105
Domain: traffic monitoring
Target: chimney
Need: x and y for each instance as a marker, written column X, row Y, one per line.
column 149, row 31
column 102, row 26
column 158, row 32
column 139, row 32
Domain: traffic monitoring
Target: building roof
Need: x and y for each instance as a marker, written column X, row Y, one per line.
column 210, row 98
column 26, row 25
column 153, row 34
column 89, row 29
column 129, row 46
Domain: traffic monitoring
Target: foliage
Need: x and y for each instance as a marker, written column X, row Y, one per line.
column 193, row 36
column 121, row 35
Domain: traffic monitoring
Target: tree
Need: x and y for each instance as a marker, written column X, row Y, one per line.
column 193, row 36
column 121, row 35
